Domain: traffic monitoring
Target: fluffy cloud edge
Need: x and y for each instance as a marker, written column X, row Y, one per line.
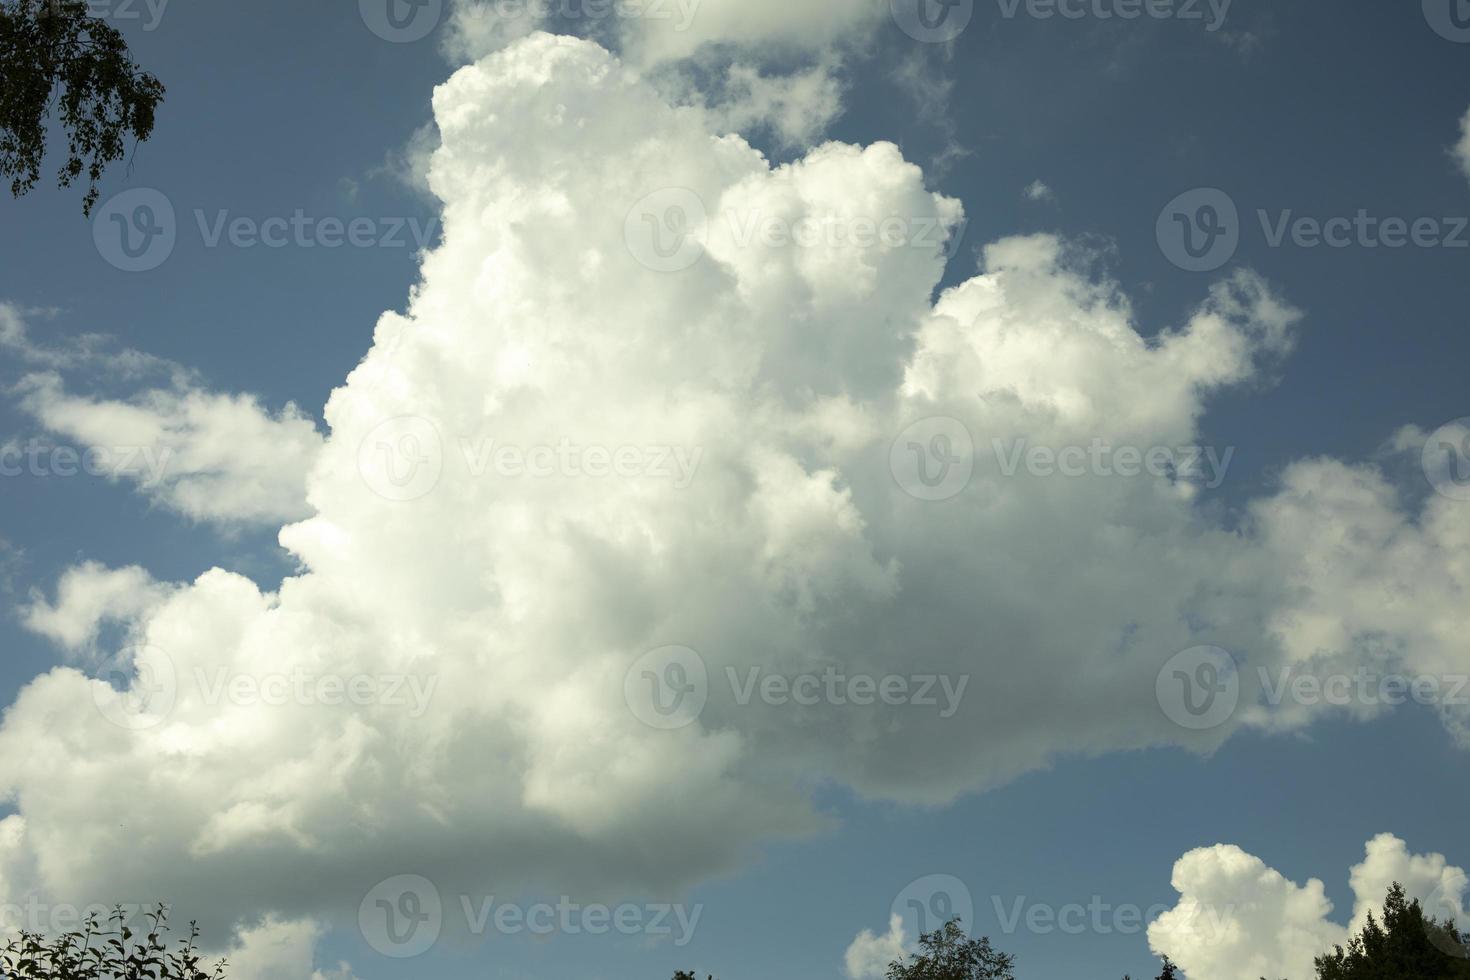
column 1239, row 919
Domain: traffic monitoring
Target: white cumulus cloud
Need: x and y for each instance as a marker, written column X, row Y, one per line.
column 209, row 456
column 869, row 955
column 1237, row 919
column 654, row 392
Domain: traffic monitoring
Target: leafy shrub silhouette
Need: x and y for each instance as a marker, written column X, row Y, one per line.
column 54, row 57
column 90, row 953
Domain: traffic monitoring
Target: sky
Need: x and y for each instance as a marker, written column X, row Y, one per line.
column 601, row 490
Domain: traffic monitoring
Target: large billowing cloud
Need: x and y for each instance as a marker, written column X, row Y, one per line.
column 1238, row 919
column 765, row 67
column 654, row 31
column 653, row 392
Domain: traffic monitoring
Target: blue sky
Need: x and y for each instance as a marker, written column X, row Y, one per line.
column 1320, row 109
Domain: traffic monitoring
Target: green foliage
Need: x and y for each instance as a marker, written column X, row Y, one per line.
column 56, row 58
column 948, row 954
column 90, row 953
column 1408, row 944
